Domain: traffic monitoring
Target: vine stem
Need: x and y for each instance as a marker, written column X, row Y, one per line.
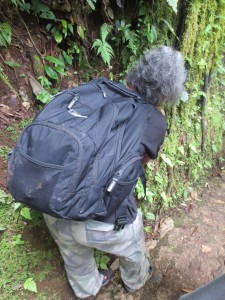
column 30, row 37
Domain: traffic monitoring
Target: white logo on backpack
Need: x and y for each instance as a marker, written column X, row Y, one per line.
column 76, row 114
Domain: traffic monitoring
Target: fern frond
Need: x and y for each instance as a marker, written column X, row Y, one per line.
column 107, row 53
column 105, row 30
column 97, row 43
column 102, row 46
column 132, row 43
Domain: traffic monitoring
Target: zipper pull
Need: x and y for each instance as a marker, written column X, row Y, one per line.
column 111, row 185
column 73, row 101
column 114, row 181
column 102, row 91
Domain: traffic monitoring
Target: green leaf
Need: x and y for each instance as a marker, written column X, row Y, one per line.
column 25, row 212
column 153, row 34
column 58, row 37
column 217, row 27
column 105, row 30
column 17, row 205
column 3, row 196
column 59, row 70
column 3, row 41
column 30, row 285
column 64, row 23
column 70, row 27
column 13, row 64
column 91, row 4
column 55, row 60
column 214, row 148
column 181, row 149
column 170, row 28
column 193, row 148
column 97, row 43
column 107, row 53
column 42, row 10
column 110, row 13
column 80, row 31
column 2, row 228
column 49, row 15
column 68, row 58
column 220, row 17
column 147, row 229
column 6, row 33
column 150, row 216
column 17, row 240
column 44, row 97
column 49, row 26
column 208, row 28
column 105, row 258
column 50, row 72
column 173, row 4
column 103, row 262
column 180, row 163
column 167, row 160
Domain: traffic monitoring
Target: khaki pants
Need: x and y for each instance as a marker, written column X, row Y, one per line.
column 77, row 240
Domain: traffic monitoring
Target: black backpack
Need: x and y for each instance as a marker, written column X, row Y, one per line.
column 81, row 152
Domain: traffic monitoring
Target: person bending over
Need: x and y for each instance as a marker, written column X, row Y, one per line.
column 159, row 78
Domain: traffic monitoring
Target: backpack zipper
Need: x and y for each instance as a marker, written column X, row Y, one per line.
column 95, row 171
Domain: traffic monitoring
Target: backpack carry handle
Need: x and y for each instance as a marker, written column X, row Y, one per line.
column 121, row 88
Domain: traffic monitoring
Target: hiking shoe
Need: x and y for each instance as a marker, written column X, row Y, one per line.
column 108, row 275
column 150, row 273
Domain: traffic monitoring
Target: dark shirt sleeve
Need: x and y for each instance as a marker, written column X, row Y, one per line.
column 154, row 135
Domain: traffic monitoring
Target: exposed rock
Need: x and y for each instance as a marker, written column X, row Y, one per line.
column 35, row 85
column 37, row 65
column 151, row 244
column 166, row 226
column 115, row 265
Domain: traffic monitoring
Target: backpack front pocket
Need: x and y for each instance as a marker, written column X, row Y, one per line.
column 123, row 183
column 34, row 182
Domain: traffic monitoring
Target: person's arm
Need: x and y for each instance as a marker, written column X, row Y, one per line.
column 153, row 137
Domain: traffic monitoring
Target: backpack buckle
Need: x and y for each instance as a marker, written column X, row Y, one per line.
column 120, row 223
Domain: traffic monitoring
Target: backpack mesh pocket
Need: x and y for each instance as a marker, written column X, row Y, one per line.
column 32, row 182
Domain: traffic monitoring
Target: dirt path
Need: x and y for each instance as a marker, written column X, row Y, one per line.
column 190, row 254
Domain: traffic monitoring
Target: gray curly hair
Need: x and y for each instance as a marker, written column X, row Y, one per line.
column 158, row 76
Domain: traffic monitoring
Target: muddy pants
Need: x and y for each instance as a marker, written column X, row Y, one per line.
column 76, row 241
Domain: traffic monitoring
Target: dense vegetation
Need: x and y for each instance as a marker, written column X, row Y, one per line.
column 103, row 38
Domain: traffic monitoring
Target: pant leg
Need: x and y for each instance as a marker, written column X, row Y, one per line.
column 134, row 268
column 79, row 262
column 128, row 244
column 75, row 239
